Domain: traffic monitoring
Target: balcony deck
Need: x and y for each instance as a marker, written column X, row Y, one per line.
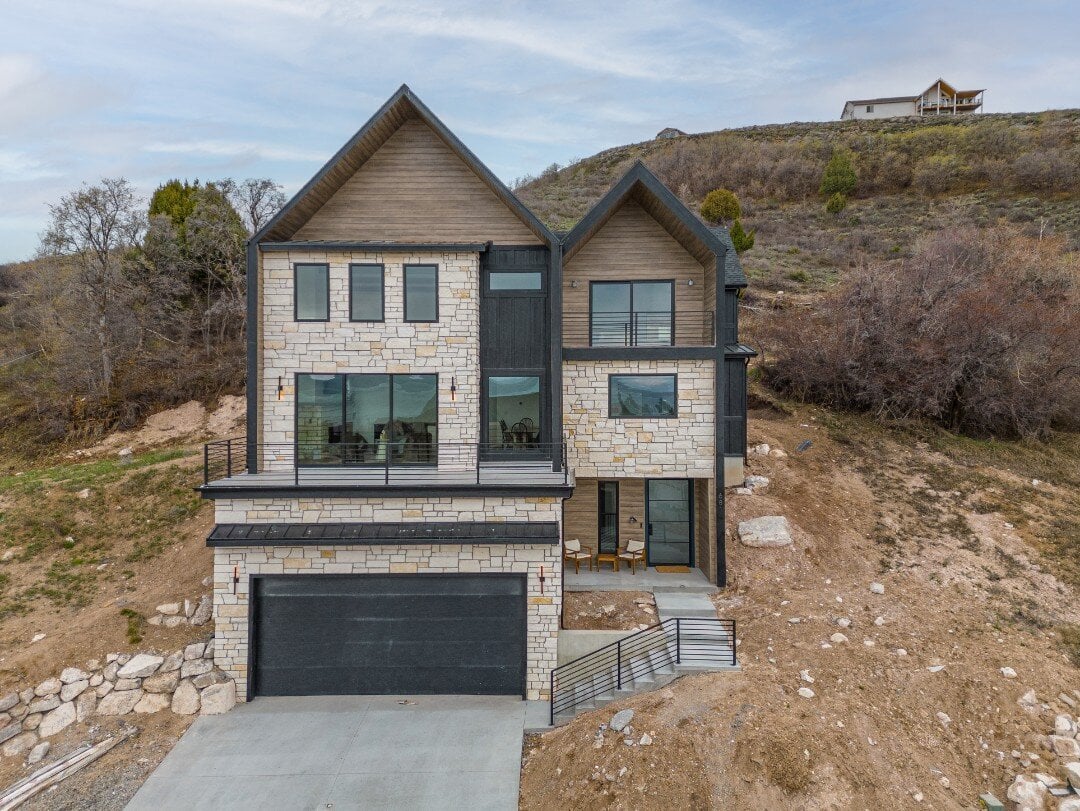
column 225, row 472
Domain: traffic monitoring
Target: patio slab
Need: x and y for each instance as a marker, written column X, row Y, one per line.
column 644, row 580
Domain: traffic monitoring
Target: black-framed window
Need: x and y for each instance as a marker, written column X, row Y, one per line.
column 367, row 292
column 649, row 396
column 514, row 412
column 632, row 313
column 366, row 419
column 311, row 292
column 422, row 293
column 515, row 280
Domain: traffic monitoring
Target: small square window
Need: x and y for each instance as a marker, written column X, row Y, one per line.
column 421, row 293
column 311, row 292
column 869, row 108
column 366, row 293
column 642, row 397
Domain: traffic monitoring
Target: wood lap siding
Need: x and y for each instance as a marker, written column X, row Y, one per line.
column 415, row 189
column 632, row 245
column 580, row 511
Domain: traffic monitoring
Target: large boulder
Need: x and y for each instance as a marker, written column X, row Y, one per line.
column 44, row 704
column 70, row 675
column 218, row 698
column 85, row 705
column 119, row 702
column 203, row 612
column 769, row 530
column 141, row 665
column 59, row 719
column 152, row 702
column 1064, row 746
column 1028, row 793
column 71, row 691
column 195, row 667
column 161, row 682
column 185, row 700
column 49, row 687
column 8, row 701
column 19, row 744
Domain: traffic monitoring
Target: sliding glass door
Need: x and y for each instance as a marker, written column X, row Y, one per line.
column 362, row 419
column 631, row 313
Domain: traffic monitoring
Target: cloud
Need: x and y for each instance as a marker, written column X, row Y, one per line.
column 234, row 149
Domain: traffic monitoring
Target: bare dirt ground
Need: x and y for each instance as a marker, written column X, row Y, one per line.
column 979, row 575
column 608, row 610
column 88, row 547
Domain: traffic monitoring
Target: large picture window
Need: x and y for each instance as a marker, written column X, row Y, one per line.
column 513, row 410
column 631, row 313
column 366, row 293
column 311, row 292
column 421, row 293
column 650, row 396
column 372, row 419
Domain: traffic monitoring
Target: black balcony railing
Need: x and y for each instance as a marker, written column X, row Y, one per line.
column 582, row 329
column 388, row 462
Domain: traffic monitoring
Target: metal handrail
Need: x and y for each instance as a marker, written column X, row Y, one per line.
column 394, row 460
column 639, row 328
column 673, row 641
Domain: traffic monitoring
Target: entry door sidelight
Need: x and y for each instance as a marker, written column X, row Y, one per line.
column 607, row 531
column 669, row 517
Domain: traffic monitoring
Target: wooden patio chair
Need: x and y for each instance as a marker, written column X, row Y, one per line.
column 572, row 550
column 634, row 553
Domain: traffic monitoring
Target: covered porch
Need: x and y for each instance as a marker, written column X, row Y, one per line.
column 670, row 522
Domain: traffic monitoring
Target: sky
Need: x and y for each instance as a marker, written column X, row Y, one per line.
column 153, row 90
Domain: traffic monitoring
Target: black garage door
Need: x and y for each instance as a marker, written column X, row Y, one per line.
column 387, row 634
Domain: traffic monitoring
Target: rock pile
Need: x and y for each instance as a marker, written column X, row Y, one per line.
column 188, row 612
column 1038, row 790
column 184, row 681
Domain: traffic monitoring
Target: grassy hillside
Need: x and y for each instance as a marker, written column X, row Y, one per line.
column 914, row 176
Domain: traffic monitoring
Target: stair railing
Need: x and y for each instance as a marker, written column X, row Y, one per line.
column 675, row 641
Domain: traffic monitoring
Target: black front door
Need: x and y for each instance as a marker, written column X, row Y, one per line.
column 607, row 531
column 669, row 516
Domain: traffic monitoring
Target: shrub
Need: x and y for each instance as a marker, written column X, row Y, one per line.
column 740, row 239
column 836, row 203
column 720, row 205
column 977, row 331
column 936, row 174
column 839, row 176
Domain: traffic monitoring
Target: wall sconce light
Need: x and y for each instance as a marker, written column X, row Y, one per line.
column 453, row 389
column 690, row 282
column 280, row 389
column 573, row 283
column 633, row 520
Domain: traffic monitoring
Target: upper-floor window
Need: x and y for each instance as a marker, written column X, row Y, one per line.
column 421, row 293
column 311, row 292
column 515, row 280
column 366, row 293
column 632, row 313
column 652, row 396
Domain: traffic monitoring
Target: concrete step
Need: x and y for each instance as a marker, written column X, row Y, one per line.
column 678, row 604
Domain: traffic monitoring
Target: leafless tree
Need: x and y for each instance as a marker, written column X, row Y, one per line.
column 256, row 199
column 93, row 232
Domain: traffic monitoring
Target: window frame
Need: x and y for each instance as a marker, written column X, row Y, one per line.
column 869, row 108
column 675, row 396
column 382, row 290
column 515, row 291
column 632, row 312
column 296, row 291
column 405, row 293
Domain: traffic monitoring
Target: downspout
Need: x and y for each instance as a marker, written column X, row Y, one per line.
column 252, row 357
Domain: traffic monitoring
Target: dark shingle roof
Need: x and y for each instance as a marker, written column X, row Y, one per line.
column 733, row 272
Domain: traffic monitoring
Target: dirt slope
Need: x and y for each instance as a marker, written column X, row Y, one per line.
column 965, row 587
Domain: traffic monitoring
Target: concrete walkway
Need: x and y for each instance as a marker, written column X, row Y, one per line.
column 647, row 579
column 345, row 752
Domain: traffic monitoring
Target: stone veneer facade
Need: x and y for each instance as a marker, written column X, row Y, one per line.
column 601, row 447
column 449, row 347
column 543, row 610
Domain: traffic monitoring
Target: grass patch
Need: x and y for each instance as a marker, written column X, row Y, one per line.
column 134, row 624
column 74, row 477
column 1070, row 642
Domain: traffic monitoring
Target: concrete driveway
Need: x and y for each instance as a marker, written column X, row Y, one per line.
column 340, row 752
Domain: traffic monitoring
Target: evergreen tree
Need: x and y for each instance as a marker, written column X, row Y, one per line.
column 836, row 203
column 720, row 206
column 742, row 240
column 839, row 176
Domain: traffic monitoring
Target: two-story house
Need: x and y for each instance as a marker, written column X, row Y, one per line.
column 440, row 391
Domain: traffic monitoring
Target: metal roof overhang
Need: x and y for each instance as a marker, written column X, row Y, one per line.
column 384, row 533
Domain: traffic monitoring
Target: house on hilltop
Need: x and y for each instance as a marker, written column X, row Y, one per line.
column 940, row 98
column 670, row 132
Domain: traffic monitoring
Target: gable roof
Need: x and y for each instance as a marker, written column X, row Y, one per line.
column 642, row 186
column 400, row 107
